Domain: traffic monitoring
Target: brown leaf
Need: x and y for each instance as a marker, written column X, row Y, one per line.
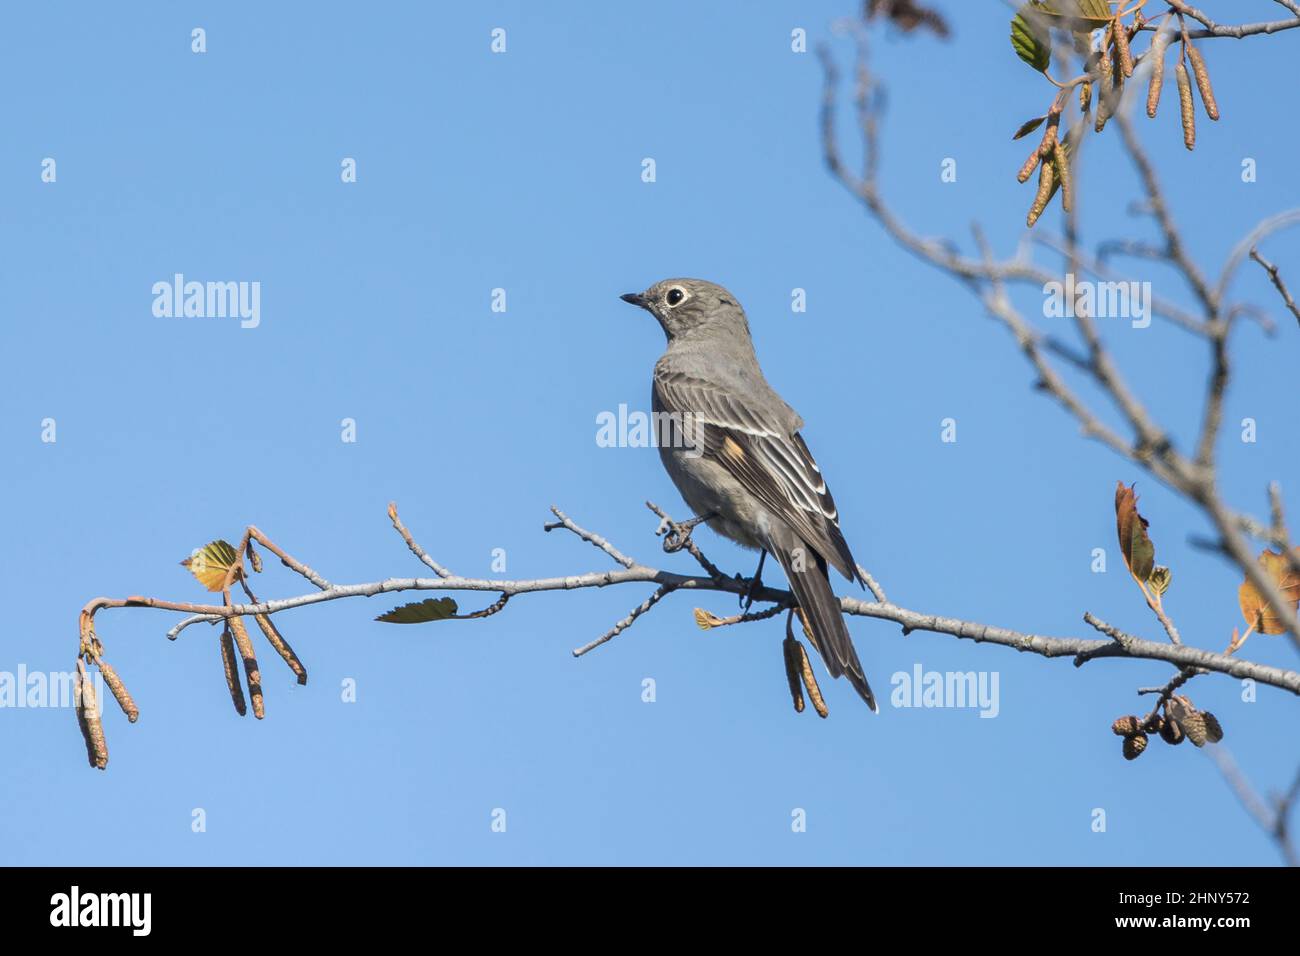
column 1253, row 606
column 1028, row 126
column 1134, row 543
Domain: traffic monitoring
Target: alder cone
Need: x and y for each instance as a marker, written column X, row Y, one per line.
column 1133, row 746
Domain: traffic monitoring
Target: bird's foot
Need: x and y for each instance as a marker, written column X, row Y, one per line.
column 678, row 535
column 755, row 585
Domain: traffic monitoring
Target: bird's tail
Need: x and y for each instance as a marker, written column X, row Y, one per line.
column 806, row 571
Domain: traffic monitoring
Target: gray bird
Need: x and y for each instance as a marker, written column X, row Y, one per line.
column 735, row 453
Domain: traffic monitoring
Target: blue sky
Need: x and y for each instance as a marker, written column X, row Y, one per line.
column 522, row 171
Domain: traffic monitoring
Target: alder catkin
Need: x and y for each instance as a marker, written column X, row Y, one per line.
column 1062, row 163
column 232, row 672
column 1122, row 52
column 120, row 693
column 1046, row 180
column 1186, row 106
column 281, row 647
column 1157, row 54
column 789, row 648
column 251, row 671
column 92, row 730
column 1031, row 164
column 1105, row 93
column 1203, row 82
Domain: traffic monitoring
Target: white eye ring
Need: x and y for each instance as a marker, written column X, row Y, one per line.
column 681, row 297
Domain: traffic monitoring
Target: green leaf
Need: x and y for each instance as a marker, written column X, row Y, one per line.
column 1030, row 38
column 1028, row 127
column 1076, row 14
column 431, row 609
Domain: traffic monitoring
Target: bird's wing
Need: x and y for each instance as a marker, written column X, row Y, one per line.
column 770, row 460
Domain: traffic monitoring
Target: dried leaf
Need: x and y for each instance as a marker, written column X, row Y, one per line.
column 1139, row 553
column 430, row 609
column 1028, row 126
column 1253, row 606
column 210, row 563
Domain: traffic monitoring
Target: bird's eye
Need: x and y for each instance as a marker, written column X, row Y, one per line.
column 675, row 296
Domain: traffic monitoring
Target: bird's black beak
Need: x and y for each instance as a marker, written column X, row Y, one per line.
column 635, row 298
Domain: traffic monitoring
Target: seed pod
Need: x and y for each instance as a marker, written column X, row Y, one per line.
column 1125, row 726
column 120, row 693
column 1157, row 54
column 1085, row 96
column 232, row 672
column 792, row 667
column 1154, row 725
column 92, row 730
column 1185, row 105
column 1171, row 732
column 1046, row 184
column 1133, row 746
column 1203, row 82
column 251, row 671
column 1123, row 54
column 1213, row 730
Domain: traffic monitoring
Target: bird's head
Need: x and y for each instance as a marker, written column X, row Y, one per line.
column 685, row 305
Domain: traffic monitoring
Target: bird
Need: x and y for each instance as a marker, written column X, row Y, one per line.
column 733, row 449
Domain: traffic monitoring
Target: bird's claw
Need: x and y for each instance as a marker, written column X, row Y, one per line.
column 678, row 536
